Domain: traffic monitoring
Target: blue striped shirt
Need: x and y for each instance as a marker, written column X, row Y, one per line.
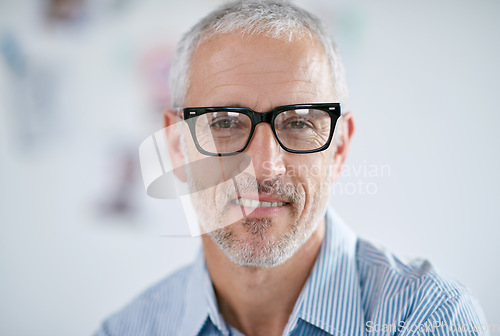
column 354, row 289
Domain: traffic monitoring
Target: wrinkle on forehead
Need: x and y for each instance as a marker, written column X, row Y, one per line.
column 306, row 87
column 260, row 69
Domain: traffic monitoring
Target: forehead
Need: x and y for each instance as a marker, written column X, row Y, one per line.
column 258, row 72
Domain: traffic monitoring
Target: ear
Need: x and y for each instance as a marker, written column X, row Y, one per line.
column 173, row 136
column 346, row 132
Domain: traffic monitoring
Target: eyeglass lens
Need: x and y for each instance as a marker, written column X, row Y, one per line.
column 229, row 132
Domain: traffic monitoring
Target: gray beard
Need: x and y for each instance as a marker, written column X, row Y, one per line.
column 258, row 249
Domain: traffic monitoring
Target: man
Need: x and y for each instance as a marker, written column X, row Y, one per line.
column 260, row 83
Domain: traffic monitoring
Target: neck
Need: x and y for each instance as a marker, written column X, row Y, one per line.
column 259, row 300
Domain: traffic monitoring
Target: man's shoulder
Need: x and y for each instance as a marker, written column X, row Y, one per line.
column 414, row 291
column 377, row 262
column 159, row 308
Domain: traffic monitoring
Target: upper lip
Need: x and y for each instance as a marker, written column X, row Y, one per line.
column 263, row 197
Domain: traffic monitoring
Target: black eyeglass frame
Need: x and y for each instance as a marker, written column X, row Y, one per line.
column 333, row 109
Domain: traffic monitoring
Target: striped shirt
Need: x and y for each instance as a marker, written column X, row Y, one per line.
column 354, row 289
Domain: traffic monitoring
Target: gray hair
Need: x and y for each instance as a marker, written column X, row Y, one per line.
column 273, row 18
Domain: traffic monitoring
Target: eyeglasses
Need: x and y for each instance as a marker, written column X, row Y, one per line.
column 223, row 131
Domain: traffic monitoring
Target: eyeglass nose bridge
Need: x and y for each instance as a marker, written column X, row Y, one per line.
column 267, row 118
column 262, row 117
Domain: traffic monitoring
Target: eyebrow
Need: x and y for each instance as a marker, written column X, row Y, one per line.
column 233, row 105
column 238, row 105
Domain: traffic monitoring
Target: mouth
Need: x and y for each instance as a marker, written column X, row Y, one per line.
column 250, row 203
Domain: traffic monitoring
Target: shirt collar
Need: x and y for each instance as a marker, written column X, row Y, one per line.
column 330, row 299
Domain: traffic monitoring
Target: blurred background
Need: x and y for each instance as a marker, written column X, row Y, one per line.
column 83, row 82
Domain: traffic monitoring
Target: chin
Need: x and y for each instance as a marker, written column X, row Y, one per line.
column 257, row 242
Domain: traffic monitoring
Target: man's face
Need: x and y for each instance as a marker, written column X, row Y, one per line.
column 261, row 73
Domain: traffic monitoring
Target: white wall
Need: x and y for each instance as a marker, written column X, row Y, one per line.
column 423, row 79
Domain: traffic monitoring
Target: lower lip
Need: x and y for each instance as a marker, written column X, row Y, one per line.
column 251, row 212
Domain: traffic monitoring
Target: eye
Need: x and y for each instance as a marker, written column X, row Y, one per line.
column 297, row 124
column 224, row 123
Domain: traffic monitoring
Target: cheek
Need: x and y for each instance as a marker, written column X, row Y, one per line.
column 198, row 170
column 310, row 170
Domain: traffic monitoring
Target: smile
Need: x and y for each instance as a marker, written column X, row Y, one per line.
column 256, row 204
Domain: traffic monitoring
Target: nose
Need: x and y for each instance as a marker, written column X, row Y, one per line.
column 266, row 153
